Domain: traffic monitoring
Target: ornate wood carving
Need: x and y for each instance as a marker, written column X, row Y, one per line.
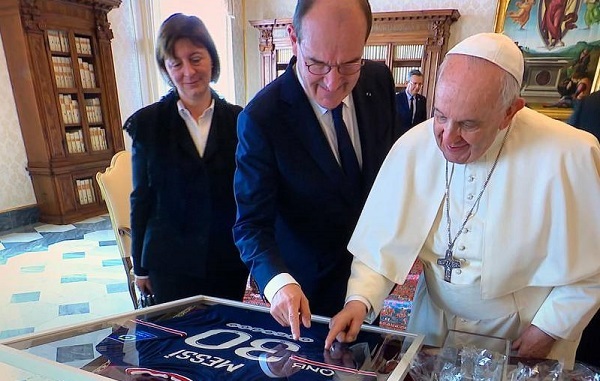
column 102, row 25
column 31, row 16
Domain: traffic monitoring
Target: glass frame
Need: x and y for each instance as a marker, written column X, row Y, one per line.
column 13, row 350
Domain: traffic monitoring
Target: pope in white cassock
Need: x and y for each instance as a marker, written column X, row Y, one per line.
column 501, row 204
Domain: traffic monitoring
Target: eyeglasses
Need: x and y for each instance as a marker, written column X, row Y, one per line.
column 320, row 68
column 344, row 69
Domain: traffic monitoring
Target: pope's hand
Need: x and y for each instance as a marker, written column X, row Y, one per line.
column 290, row 306
column 533, row 343
column 346, row 324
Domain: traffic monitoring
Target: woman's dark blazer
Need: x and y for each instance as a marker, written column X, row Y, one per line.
column 182, row 205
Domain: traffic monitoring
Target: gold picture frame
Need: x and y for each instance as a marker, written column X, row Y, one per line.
column 559, row 54
column 500, row 15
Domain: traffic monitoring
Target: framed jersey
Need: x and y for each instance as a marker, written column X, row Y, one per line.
column 204, row 338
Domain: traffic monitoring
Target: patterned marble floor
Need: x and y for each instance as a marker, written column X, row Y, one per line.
column 59, row 275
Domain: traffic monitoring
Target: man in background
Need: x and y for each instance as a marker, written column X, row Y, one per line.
column 310, row 146
column 411, row 106
column 586, row 116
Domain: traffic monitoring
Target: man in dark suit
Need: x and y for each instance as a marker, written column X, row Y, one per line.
column 304, row 170
column 411, row 107
column 586, row 116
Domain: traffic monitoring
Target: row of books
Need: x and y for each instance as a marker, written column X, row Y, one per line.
column 69, row 109
column 93, row 110
column 63, row 72
column 375, row 52
column 408, row 52
column 401, row 52
column 83, row 45
column 58, row 41
column 400, row 73
column 98, row 138
column 85, row 191
column 75, row 143
column 86, row 71
column 284, row 55
column 371, row 52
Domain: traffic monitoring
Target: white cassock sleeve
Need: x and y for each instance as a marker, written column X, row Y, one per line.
column 568, row 309
column 366, row 283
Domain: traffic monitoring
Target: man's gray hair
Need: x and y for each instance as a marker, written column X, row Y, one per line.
column 416, row 72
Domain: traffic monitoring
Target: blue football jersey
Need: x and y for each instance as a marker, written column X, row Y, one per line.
column 227, row 343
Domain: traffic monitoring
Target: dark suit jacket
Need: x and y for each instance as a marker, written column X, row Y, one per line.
column 404, row 118
column 586, row 114
column 182, row 205
column 295, row 211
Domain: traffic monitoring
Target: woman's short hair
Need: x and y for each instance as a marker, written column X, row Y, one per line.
column 179, row 26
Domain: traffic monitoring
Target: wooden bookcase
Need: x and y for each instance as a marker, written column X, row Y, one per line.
column 60, row 63
column 403, row 40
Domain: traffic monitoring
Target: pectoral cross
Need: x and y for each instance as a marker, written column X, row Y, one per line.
column 449, row 264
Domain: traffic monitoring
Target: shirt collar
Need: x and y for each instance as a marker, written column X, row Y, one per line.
column 183, row 111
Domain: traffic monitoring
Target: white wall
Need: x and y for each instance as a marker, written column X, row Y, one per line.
column 126, row 60
column 15, row 185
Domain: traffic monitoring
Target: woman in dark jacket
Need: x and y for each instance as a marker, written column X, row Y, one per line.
column 182, row 204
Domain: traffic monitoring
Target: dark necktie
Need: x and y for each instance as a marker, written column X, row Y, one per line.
column 346, row 151
column 412, row 109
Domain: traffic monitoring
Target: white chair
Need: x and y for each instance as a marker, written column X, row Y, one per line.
column 116, row 186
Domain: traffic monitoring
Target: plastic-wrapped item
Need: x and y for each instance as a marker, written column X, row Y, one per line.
column 434, row 365
column 422, row 365
column 464, row 356
column 543, row 371
column 454, row 364
column 583, row 372
column 482, row 364
column 553, row 371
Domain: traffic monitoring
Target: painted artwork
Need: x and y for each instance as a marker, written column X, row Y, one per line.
column 560, row 40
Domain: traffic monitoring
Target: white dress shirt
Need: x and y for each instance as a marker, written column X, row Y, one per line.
column 198, row 129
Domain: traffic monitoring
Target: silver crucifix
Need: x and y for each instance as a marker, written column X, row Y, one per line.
column 449, row 264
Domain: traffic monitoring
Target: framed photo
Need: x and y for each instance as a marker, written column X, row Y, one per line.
column 560, row 40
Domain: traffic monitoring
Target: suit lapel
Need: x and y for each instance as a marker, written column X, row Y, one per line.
column 420, row 103
column 212, row 142
column 221, row 135
column 182, row 136
column 404, row 101
column 369, row 140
